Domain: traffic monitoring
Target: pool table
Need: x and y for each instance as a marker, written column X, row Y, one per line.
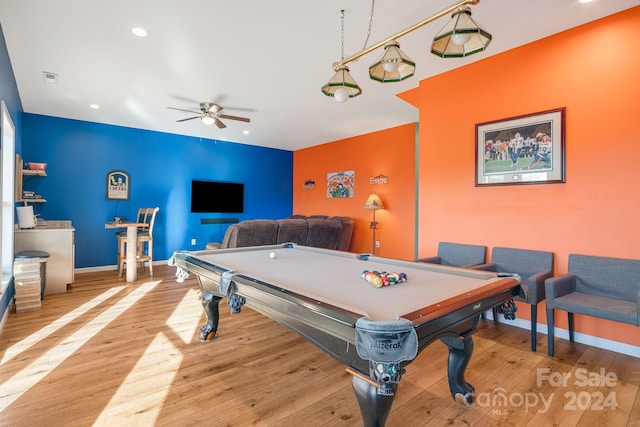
column 375, row 331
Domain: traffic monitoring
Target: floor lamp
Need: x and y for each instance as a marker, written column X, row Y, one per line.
column 374, row 203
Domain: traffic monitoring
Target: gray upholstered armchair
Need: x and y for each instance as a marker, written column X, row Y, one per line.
column 457, row 255
column 533, row 267
column 603, row 287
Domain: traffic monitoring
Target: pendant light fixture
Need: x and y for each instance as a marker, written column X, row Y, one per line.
column 459, row 38
column 393, row 65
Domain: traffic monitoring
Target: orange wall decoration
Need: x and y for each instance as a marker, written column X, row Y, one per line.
column 591, row 72
column 390, row 152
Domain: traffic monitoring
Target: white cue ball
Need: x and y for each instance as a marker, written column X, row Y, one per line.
column 272, row 255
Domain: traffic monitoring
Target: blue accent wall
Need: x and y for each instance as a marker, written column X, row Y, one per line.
column 161, row 166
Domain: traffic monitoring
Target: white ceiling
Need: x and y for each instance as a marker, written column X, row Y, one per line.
column 266, row 60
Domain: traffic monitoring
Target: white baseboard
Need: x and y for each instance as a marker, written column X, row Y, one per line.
column 109, row 267
column 94, row 269
column 598, row 342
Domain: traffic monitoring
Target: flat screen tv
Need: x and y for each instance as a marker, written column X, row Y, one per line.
column 217, row 197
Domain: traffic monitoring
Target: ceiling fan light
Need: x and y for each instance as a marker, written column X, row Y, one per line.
column 208, row 120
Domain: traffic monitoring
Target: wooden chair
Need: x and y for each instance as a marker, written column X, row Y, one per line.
column 144, row 246
column 143, row 217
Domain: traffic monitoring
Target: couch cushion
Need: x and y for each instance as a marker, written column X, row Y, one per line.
column 347, row 224
column 323, row 233
column 292, row 230
column 257, row 232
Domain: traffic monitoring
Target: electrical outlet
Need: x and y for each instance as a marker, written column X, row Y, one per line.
column 193, row 242
column 378, row 244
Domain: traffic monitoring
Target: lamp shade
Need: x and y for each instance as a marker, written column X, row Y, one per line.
column 393, row 65
column 461, row 37
column 342, row 86
column 374, row 202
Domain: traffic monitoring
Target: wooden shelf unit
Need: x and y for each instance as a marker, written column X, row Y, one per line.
column 21, row 175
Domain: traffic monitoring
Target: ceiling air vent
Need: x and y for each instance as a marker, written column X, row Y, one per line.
column 50, row 77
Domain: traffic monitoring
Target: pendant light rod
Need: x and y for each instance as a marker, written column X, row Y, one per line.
column 448, row 10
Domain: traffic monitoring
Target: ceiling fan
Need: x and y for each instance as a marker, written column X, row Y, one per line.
column 210, row 114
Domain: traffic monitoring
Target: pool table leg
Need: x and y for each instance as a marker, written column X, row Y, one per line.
column 374, row 407
column 460, row 350
column 211, row 310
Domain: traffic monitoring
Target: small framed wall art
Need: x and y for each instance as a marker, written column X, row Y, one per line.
column 340, row 184
column 118, row 185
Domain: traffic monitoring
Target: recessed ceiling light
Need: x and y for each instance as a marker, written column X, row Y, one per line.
column 586, row 1
column 246, row 132
column 94, row 106
column 140, row 32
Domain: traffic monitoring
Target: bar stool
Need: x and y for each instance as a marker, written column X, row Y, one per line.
column 42, row 257
column 143, row 217
column 144, row 246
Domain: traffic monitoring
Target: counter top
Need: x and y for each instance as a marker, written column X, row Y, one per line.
column 54, row 225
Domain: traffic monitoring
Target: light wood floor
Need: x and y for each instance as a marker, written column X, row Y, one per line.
column 108, row 353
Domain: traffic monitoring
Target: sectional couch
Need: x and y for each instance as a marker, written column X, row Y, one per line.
column 317, row 230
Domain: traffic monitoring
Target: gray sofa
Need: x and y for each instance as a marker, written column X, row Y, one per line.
column 608, row 288
column 317, row 231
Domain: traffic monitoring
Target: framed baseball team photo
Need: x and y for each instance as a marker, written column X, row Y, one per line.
column 527, row 149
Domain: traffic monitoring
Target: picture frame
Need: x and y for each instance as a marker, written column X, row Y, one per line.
column 118, row 185
column 341, row 185
column 527, row 149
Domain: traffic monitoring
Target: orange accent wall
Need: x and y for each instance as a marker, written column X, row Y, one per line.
column 592, row 70
column 389, row 152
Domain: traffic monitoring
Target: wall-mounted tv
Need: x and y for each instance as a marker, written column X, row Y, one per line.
column 217, row 197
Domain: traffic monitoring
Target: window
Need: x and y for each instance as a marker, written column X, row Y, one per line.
column 7, row 186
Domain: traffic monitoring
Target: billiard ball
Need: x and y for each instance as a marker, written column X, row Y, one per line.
column 272, row 255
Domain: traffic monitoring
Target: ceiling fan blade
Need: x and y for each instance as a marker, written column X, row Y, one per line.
column 219, row 123
column 188, row 118
column 215, row 108
column 242, row 119
column 180, row 109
